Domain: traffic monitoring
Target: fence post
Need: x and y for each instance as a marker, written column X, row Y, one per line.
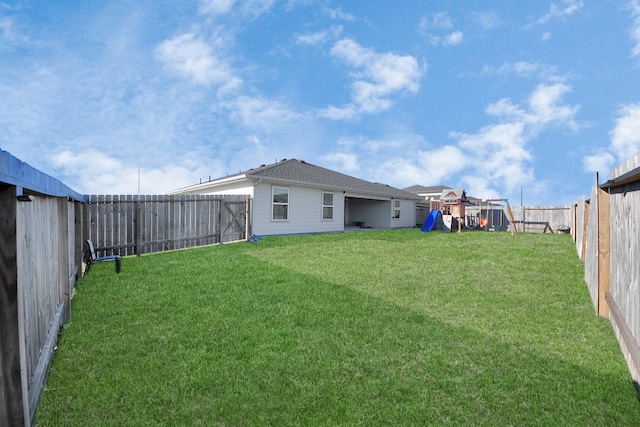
column 64, row 254
column 138, row 225
column 585, row 230
column 247, row 227
column 13, row 396
column 604, row 249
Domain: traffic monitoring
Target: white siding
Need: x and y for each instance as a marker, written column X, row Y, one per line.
column 407, row 215
column 305, row 211
column 239, row 191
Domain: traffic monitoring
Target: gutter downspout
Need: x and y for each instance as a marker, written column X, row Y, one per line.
column 250, row 211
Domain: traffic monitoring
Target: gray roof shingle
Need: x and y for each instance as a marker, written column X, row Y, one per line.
column 301, row 172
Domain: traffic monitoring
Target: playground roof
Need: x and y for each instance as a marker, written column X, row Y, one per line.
column 453, row 195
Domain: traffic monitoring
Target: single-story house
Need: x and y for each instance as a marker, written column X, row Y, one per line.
column 293, row 196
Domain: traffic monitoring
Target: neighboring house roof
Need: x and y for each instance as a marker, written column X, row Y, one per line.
column 419, row 189
column 294, row 171
column 429, row 193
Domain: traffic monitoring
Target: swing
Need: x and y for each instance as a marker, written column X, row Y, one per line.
column 484, row 221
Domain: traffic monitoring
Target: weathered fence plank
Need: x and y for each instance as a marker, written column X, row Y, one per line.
column 591, row 251
column 542, row 219
column 604, row 251
column 11, row 380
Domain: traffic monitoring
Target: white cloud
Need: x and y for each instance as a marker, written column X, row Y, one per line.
column 504, row 107
column 257, row 7
column 12, row 33
column 562, row 11
column 492, row 162
column 216, row 7
column 486, row 20
column 319, row 37
column 524, row 69
column 7, row 30
column 343, row 162
column 361, row 156
column 94, row 172
column 248, row 7
column 601, row 161
column 545, row 107
column 622, row 143
column 500, row 156
column 261, row 113
column 377, row 77
column 432, row 28
column 441, row 164
column 192, row 58
column 338, row 14
column 634, row 31
column 625, row 136
column 391, row 145
column 344, row 113
column 453, row 39
column 437, row 21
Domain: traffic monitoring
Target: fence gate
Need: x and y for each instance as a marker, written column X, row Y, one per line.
column 233, row 221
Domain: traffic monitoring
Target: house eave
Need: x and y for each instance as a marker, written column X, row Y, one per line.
column 204, row 186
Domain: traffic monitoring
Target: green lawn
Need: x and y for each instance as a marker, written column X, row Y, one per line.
column 377, row 328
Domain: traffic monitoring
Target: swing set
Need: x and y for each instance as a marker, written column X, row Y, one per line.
column 491, row 216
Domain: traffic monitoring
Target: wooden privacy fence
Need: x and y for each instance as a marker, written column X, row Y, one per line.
column 529, row 219
column 40, row 258
column 607, row 238
column 128, row 225
column 543, row 219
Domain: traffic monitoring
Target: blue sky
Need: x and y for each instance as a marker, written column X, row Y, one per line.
column 493, row 96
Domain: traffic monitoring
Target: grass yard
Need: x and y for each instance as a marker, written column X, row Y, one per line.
column 377, row 328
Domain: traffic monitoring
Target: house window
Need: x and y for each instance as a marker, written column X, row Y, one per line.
column 280, row 203
column 396, row 209
column 327, row 206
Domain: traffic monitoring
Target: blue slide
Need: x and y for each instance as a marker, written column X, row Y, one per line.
column 431, row 220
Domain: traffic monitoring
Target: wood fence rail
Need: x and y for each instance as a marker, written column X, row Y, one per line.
column 135, row 225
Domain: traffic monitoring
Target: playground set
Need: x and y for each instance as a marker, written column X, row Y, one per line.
column 455, row 211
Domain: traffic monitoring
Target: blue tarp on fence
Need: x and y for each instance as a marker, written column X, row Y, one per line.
column 14, row 171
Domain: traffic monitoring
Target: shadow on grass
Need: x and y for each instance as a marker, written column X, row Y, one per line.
column 167, row 344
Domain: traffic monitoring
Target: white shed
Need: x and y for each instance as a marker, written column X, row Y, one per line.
column 293, row 197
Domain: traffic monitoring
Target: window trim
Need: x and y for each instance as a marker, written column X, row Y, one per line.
column 332, row 205
column 274, row 203
column 396, row 209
